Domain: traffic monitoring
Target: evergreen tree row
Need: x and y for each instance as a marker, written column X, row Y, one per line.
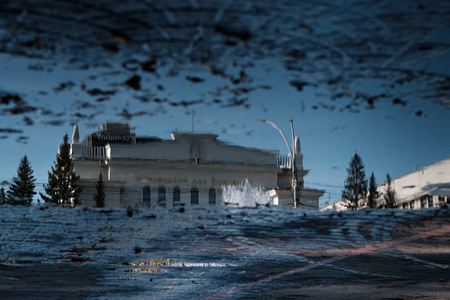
column 359, row 192
column 62, row 188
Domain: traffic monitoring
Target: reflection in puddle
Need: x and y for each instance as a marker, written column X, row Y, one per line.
column 16, row 261
column 153, row 262
column 143, row 270
column 171, row 263
column 158, row 266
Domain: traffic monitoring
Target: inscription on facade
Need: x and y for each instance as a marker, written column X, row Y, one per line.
column 124, row 139
column 154, row 179
column 194, row 181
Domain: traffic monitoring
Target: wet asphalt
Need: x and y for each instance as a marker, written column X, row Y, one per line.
column 223, row 253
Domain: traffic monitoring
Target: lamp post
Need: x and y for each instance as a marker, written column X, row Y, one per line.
column 291, row 156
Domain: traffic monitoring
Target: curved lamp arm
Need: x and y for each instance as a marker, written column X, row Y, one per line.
column 292, row 157
column 281, row 132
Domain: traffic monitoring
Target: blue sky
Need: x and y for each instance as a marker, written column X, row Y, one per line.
column 389, row 138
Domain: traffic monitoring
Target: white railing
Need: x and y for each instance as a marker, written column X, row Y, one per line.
column 93, row 152
column 284, row 161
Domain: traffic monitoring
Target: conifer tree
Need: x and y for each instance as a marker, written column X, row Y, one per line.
column 373, row 193
column 99, row 196
column 62, row 187
column 22, row 190
column 356, row 184
column 2, row 196
column 389, row 197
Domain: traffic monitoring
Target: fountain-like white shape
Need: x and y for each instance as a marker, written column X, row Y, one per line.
column 245, row 195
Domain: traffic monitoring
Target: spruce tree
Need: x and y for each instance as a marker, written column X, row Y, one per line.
column 62, row 188
column 2, row 196
column 22, row 190
column 355, row 184
column 389, row 197
column 99, row 196
column 373, row 193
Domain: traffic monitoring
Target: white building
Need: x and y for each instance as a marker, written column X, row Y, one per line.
column 191, row 168
column 426, row 187
column 337, row 206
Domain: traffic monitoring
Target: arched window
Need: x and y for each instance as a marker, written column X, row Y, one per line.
column 146, row 196
column 212, row 196
column 194, row 196
column 176, row 196
column 162, row 196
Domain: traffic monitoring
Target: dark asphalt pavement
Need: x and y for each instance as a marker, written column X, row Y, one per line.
column 223, row 253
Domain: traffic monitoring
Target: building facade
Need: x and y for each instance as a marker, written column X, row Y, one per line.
column 190, row 168
column 426, row 187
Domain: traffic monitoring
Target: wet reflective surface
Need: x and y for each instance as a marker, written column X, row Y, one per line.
column 228, row 252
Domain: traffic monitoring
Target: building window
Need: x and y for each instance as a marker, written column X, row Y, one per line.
column 212, row 196
column 441, row 201
column 423, row 202
column 176, row 196
column 194, row 196
column 162, row 196
column 430, row 201
column 146, row 196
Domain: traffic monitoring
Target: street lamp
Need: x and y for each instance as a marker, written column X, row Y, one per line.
column 291, row 156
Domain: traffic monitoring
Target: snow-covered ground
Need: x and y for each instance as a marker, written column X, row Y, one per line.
column 197, row 252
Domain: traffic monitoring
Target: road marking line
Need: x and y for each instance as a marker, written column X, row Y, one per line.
column 363, row 250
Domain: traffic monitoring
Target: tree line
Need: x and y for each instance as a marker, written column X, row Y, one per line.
column 360, row 192
column 62, row 188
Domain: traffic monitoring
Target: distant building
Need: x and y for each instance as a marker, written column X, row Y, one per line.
column 426, row 187
column 337, row 206
column 191, row 168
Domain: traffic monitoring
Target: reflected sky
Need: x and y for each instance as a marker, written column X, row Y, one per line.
column 354, row 76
